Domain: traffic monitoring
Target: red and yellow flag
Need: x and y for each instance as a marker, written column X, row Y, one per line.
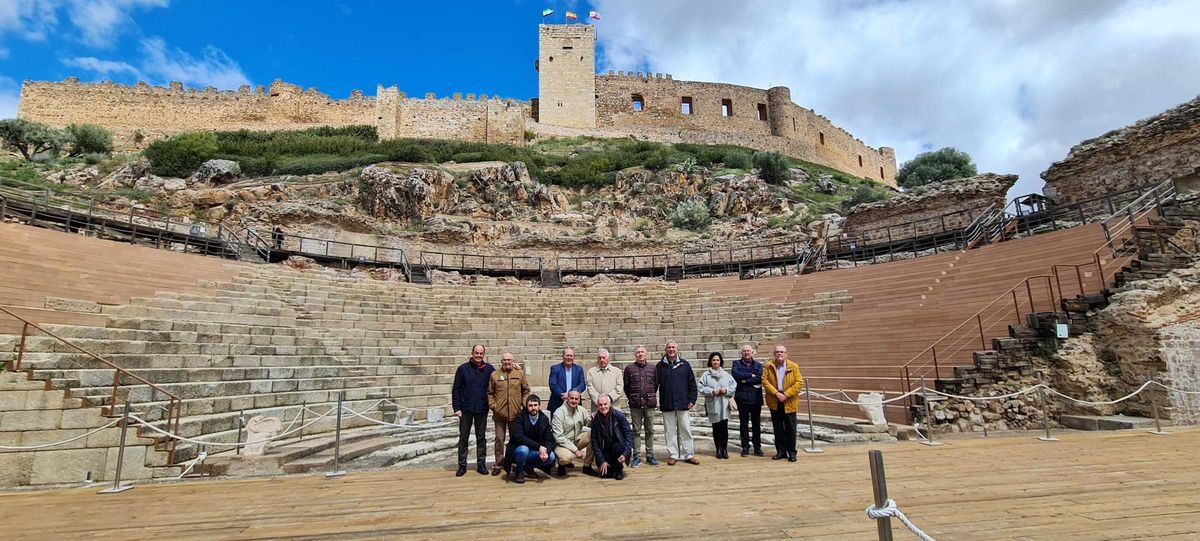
column 571, row 16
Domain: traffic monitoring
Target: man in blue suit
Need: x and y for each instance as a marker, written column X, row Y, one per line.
column 565, row 376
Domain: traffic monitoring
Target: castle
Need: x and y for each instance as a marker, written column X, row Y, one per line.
column 572, row 100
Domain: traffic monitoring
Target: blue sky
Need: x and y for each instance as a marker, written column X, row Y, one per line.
column 1015, row 83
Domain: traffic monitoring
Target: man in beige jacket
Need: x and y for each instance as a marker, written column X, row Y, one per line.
column 604, row 379
column 507, row 390
column 572, row 434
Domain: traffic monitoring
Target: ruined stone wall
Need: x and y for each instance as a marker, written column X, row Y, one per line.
column 950, row 204
column 758, row 119
column 158, row 112
column 470, row 119
column 1181, row 355
column 1159, row 148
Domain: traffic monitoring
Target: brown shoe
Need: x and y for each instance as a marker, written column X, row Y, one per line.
column 670, row 462
column 691, row 460
column 496, row 470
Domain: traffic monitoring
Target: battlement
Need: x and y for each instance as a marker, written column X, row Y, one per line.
column 638, row 76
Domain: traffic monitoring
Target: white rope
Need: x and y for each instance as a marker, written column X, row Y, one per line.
column 1174, row 390
column 998, row 397
column 57, row 443
column 890, row 510
column 199, row 458
column 1104, row 402
column 223, row 444
column 853, row 403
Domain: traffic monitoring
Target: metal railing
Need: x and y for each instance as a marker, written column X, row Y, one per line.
column 724, row 261
column 121, row 377
column 481, row 264
column 636, row 264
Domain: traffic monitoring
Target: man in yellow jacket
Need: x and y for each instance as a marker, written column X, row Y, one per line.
column 782, row 384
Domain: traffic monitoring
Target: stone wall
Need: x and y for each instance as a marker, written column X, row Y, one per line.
column 951, row 204
column 1162, row 147
column 158, row 112
column 470, row 119
column 757, row 118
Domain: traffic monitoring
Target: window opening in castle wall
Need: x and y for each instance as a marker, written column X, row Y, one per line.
column 762, row 111
column 726, row 107
column 881, row 174
column 821, row 137
column 860, row 160
column 685, row 105
column 639, row 103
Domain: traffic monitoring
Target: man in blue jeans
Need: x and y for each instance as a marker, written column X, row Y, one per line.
column 532, row 442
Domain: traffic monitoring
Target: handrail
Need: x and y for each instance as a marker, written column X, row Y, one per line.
column 1124, row 220
column 175, row 404
column 426, row 258
column 613, row 263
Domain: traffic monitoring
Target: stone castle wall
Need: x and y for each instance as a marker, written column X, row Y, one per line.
column 1159, row 148
column 757, row 118
column 158, row 112
column 470, row 119
column 567, row 75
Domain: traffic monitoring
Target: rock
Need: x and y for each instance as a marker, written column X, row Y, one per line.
column 206, row 198
column 825, row 185
column 258, row 429
column 299, row 262
column 415, row 196
column 216, row 172
column 717, row 203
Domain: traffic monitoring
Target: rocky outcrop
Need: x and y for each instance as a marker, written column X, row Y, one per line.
column 216, row 173
column 958, row 200
column 413, row 196
column 1163, row 147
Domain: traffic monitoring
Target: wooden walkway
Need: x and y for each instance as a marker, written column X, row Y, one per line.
column 1090, row 486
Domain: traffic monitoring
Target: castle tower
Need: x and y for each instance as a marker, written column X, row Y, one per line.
column 567, row 75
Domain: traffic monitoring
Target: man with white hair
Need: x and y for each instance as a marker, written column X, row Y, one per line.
column 604, row 380
column 612, row 439
column 677, row 393
column 571, row 425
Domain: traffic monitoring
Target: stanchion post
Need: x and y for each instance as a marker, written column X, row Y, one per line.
column 237, row 449
column 879, row 487
column 117, row 486
column 303, row 417
column 812, row 433
column 928, row 415
column 1158, row 431
column 841, row 406
column 1045, row 412
column 337, row 442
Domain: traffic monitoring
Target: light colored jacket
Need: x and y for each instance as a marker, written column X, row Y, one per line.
column 717, row 407
column 791, row 386
column 507, row 392
column 568, row 427
column 608, row 381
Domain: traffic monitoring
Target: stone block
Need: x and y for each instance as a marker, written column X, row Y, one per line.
column 83, row 418
column 12, row 400
column 30, row 420
column 68, row 466
column 30, row 438
column 15, row 468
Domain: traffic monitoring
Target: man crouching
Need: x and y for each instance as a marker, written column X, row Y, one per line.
column 612, row 439
column 531, row 441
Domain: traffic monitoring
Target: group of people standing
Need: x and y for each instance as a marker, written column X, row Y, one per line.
column 605, row 439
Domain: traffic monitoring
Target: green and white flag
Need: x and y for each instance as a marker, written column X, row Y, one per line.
column 547, row 13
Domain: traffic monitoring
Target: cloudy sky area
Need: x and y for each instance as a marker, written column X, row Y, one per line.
column 1015, row 83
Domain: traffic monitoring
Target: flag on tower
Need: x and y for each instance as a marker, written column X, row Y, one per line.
column 594, row 15
column 571, row 16
column 547, row 13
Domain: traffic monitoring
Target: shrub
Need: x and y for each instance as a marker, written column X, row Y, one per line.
column 317, row 164
column 93, row 158
column 772, row 167
column 928, row 167
column 864, row 194
column 737, row 160
column 31, row 138
column 88, row 139
column 467, row 157
column 691, row 214
column 180, row 155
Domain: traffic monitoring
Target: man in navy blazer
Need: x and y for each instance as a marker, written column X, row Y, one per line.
column 564, row 377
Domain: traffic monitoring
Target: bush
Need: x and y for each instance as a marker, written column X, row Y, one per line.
column 180, row 155
column 467, row 157
column 94, row 158
column 737, row 160
column 691, row 214
column 88, row 139
column 928, row 167
column 772, row 167
column 317, row 164
column 865, row 194
column 31, row 138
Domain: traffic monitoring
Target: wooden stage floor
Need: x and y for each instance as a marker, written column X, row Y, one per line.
column 1089, row 486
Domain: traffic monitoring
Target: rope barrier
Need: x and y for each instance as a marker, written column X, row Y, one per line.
column 1104, row 402
column 57, row 443
column 891, row 511
column 998, row 397
column 199, row 458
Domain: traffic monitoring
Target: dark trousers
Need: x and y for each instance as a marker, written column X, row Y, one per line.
column 720, row 431
column 785, row 430
column 479, row 420
column 611, row 453
column 750, row 414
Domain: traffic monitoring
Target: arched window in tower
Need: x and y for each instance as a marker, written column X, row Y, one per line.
column 639, row 103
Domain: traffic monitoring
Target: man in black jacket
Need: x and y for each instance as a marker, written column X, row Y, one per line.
column 749, row 398
column 468, row 397
column 612, row 439
column 532, row 440
column 677, row 393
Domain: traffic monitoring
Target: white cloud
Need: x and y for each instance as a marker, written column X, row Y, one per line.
column 97, row 23
column 1015, row 83
column 9, row 92
column 160, row 64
